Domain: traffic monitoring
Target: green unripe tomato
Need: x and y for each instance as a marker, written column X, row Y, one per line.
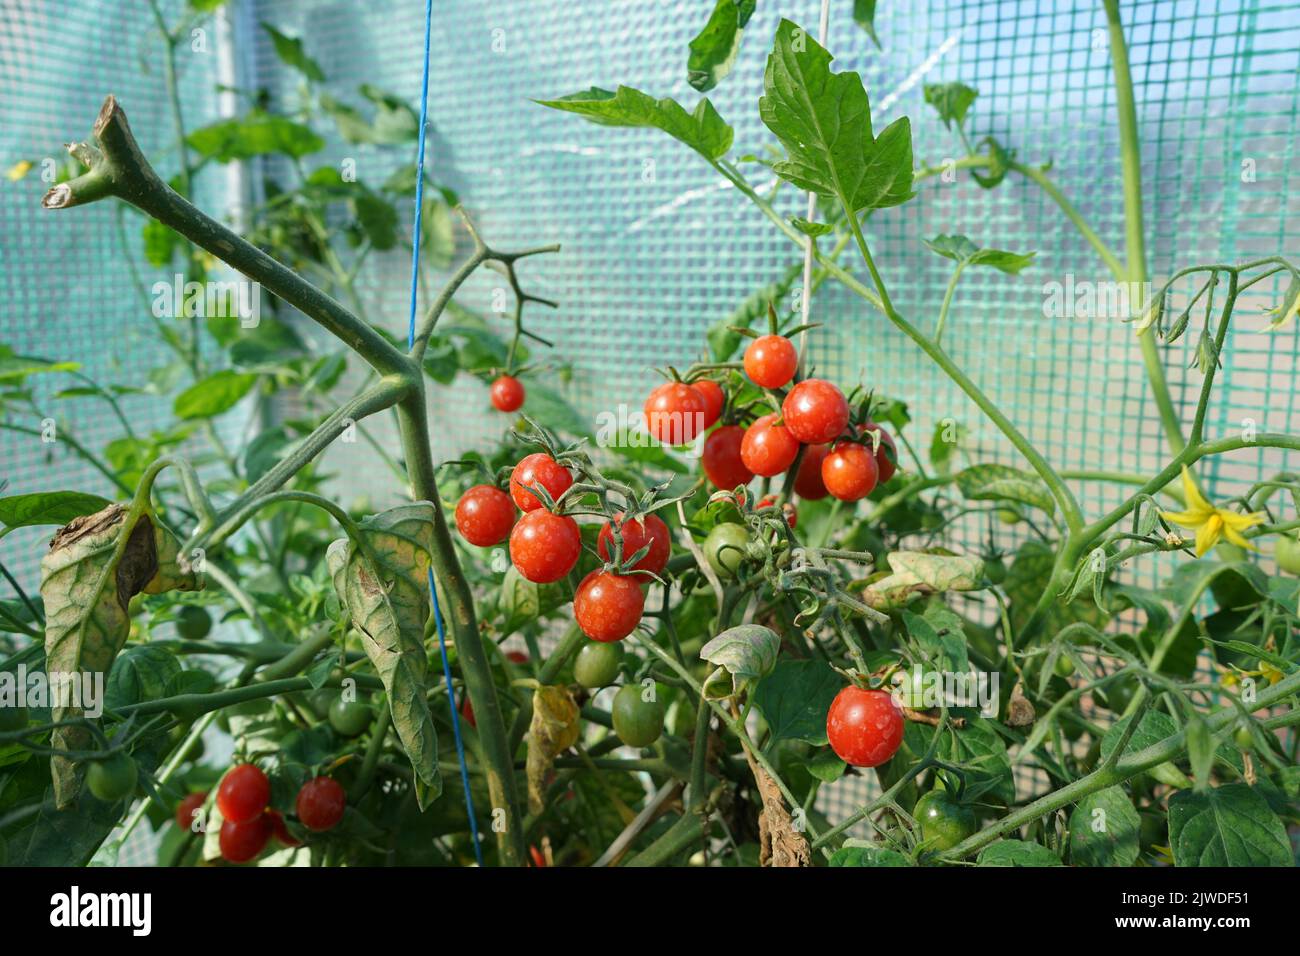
column 320, row 700
column 1244, row 739
column 944, row 822
column 598, row 664
column 1008, row 516
column 350, row 718
column 725, row 548
column 12, row 718
column 1119, row 694
column 112, row 779
column 1063, row 667
column 637, row 722
column 193, row 623
column 1287, row 552
column 995, row 570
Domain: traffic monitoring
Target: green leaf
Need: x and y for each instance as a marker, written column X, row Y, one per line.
column 18, row 367
column 291, row 53
column 549, row 407
column 437, row 232
column 703, row 129
column 795, row 697
column 1230, row 825
column 714, row 49
column 384, row 589
column 1004, row 483
column 1200, row 751
column 919, row 572
column 160, row 243
column 48, row 507
column 270, row 343
column 213, row 395
column 960, row 249
column 951, row 100
column 395, row 121
column 378, row 219
column 811, row 228
column 867, row 856
column 264, row 451
column 1104, row 830
column 747, row 652
column 824, row 121
column 826, row 767
column 864, row 15
column 999, row 165
column 1016, row 853
column 255, row 134
column 140, row 674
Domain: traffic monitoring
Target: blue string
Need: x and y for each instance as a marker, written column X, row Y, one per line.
column 410, row 342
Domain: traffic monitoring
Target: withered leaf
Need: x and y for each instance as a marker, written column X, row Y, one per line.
column 554, row 729
column 384, row 589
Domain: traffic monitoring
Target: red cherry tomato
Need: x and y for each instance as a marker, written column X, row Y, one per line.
column 241, row 842
column 865, row 727
column 484, row 515
column 517, row 657
column 849, row 472
column 770, row 361
column 280, row 830
column 815, row 411
column 791, row 515
column 190, row 804
column 507, row 393
column 886, row 454
column 808, row 483
column 768, row 449
column 320, row 804
column 467, row 711
column 675, row 413
column 545, row 546
column 608, row 606
column 243, row 794
column 721, row 458
column 538, row 859
column 714, row 399
column 538, row 469
column 636, row 535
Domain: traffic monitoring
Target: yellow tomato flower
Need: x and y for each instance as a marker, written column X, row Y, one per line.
column 1211, row 523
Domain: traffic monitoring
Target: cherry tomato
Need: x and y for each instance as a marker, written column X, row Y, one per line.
column 849, row 471
column 943, row 821
column 467, row 711
column 770, row 361
column 484, row 515
column 190, row 806
column 637, row 534
column 538, row 469
column 725, row 547
column 243, row 794
column 608, row 606
column 320, row 804
column 675, row 413
column 517, row 657
column 507, row 393
column 791, row 515
column 714, row 399
column 538, row 859
column 280, row 829
column 1287, row 552
column 808, row 483
column 865, row 727
column 112, row 779
column 768, row 449
column 241, row 842
column 637, row 722
column 721, row 458
column 815, row 411
column 886, row 454
column 193, row 623
column 545, row 546
column 350, row 717
column 1244, row 740
column 1063, row 667
column 598, row 664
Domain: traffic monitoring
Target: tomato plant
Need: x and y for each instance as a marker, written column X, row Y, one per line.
column 761, row 648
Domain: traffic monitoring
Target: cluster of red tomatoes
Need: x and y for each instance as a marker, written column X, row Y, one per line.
column 247, row 820
column 545, row 546
column 838, row 460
